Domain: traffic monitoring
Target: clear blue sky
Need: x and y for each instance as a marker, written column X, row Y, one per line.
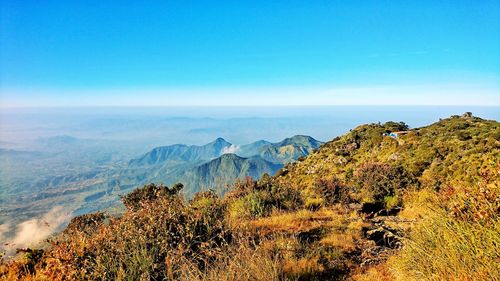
column 249, row 52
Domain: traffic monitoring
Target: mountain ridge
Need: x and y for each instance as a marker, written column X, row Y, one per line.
column 181, row 152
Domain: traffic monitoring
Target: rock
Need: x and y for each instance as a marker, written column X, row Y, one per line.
column 467, row 115
column 393, row 157
column 341, row 161
column 347, row 148
column 372, row 255
column 384, row 237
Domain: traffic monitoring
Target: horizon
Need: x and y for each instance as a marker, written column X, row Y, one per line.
column 141, row 128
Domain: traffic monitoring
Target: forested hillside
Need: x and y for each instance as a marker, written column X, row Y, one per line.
column 382, row 202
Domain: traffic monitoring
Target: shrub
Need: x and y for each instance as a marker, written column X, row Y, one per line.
column 391, row 202
column 148, row 193
column 155, row 239
column 87, row 223
column 313, row 203
column 395, row 126
column 251, row 199
column 376, row 181
column 241, row 188
column 204, row 199
column 478, row 203
column 332, row 190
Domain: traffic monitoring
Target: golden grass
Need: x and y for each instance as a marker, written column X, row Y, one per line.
column 442, row 247
column 303, row 267
column 243, row 263
column 296, row 222
column 339, row 240
column 419, row 204
column 378, row 272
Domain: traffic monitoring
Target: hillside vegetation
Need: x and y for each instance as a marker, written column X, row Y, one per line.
column 364, row 206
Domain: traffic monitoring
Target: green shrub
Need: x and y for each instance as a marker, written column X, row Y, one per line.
column 255, row 204
column 391, row 202
column 395, row 126
column 256, row 199
column 376, row 181
column 204, row 199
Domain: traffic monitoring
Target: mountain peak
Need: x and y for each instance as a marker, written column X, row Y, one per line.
column 301, row 139
column 219, row 144
column 220, row 140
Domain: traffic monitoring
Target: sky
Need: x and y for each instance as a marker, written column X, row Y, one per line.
column 224, row 53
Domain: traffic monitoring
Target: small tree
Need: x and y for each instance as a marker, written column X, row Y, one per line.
column 395, row 126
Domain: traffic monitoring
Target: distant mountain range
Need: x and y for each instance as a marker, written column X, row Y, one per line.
column 181, row 153
column 217, row 163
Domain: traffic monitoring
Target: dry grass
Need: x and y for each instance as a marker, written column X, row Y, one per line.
column 379, row 273
column 296, row 222
column 446, row 245
column 419, row 204
column 245, row 262
column 303, row 267
column 339, row 240
column 443, row 248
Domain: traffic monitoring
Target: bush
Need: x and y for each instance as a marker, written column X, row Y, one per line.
column 87, row 223
column 395, row 126
column 332, row 190
column 313, row 204
column 480, row 204
column 155, row 240
column 148, row 193
column 252, row 199
column 376, row 181
column 204, row 199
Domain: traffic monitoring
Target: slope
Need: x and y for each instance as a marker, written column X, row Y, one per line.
column 224, row 170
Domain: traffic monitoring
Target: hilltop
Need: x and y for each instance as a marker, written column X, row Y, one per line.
column 368, row 205
column 450, row 152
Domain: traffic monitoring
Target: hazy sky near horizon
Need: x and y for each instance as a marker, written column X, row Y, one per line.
column 112, row 53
